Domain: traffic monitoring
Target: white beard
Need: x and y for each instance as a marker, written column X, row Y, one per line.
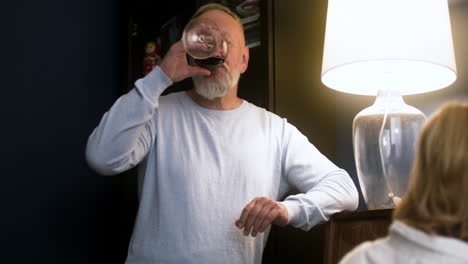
column 210, row 88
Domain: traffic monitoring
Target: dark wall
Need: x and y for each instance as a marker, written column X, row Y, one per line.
column 61, row 70
column 299, row 94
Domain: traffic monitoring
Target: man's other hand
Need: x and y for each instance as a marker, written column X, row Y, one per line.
column 175, row 66
column 259, row 214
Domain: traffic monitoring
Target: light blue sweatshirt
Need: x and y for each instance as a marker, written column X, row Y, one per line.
column 198, row 168
column 406, row 244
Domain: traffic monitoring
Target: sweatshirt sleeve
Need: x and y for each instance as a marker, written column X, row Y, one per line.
column 127, row 131
column 325, row 188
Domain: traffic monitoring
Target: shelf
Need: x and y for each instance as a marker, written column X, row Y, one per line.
column 250, row 19
column 254, row 44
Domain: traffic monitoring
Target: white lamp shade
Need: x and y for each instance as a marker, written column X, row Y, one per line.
column 403, row 45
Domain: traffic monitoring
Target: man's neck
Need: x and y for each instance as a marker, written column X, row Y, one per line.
column 228, row 102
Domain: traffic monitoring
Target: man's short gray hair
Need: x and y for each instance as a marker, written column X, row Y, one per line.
column 215, row 6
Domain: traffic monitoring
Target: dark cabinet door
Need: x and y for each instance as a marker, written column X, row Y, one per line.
column 346, row 230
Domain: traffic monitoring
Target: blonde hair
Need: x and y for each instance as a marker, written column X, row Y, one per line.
column 437, row 197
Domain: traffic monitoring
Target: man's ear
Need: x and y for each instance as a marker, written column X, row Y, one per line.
column 245, row 59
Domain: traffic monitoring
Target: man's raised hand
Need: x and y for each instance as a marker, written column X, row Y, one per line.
column 175, row 66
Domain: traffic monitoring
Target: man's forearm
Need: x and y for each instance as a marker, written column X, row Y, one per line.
column 335, row 193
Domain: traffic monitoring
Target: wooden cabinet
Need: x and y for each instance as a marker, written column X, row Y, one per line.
column 346, row 230
column 328, row 242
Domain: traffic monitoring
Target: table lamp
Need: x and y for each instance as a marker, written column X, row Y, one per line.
column 387, row 48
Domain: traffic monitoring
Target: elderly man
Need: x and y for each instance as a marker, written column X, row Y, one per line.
column 212, row 166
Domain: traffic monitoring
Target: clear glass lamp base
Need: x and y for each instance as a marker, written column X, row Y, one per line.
column 384, row 137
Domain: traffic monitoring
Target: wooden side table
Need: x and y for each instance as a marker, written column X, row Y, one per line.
column 327, row 242
column 346, row 230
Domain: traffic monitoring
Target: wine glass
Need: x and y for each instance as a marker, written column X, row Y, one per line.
column 203, row 40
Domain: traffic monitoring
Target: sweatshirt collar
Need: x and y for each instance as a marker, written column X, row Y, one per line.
column 189, row 102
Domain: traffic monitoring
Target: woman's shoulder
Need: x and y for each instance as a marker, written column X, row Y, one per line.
column 376, row 251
